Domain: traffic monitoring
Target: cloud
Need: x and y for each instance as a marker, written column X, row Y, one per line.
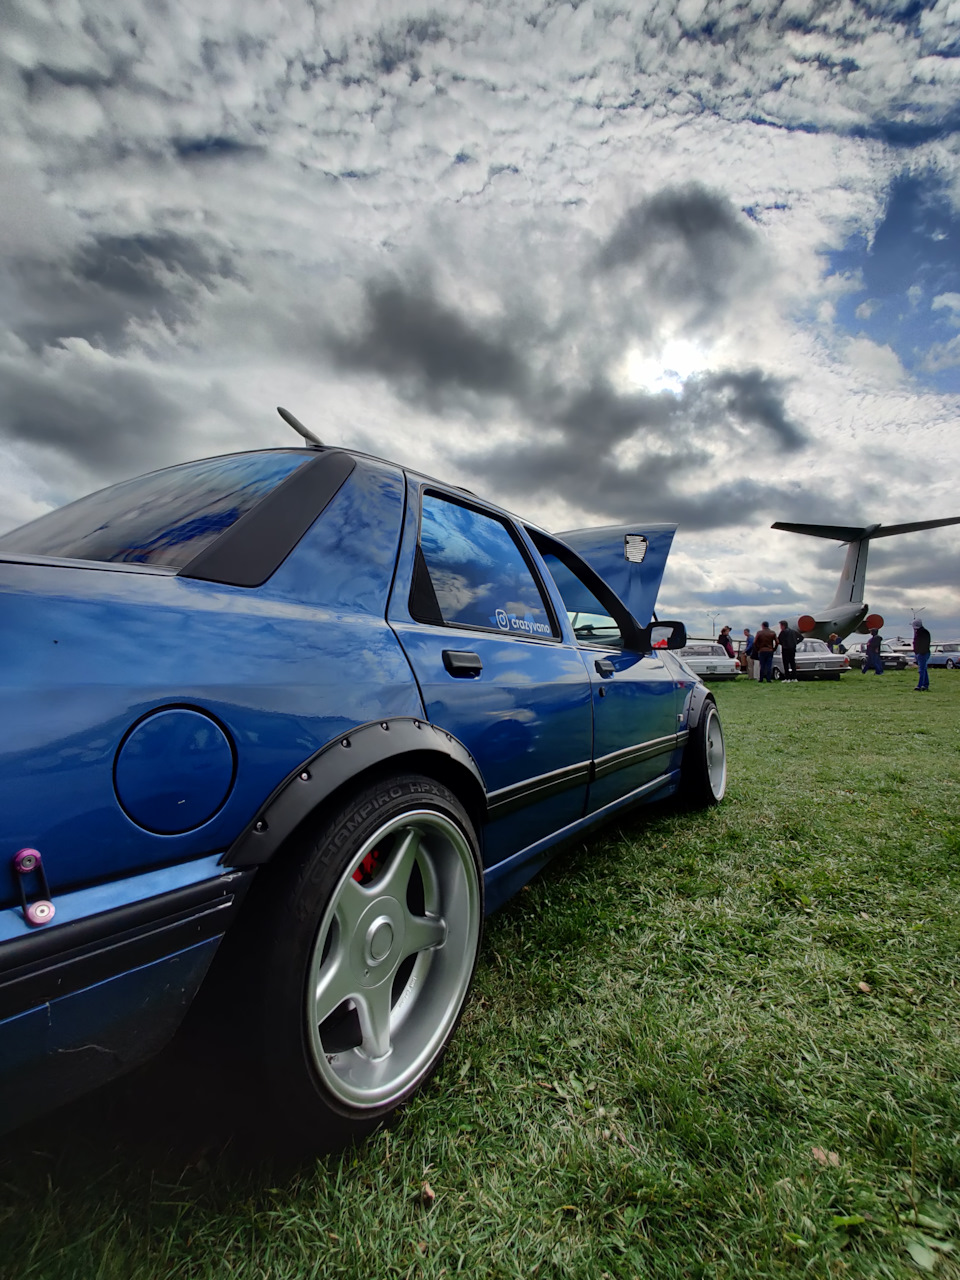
column 111, row 285
column 408, row 335
column 449, row 234
column 690, row 248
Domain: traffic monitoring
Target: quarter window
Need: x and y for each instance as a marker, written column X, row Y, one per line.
column 478, row 574
column 591, row 623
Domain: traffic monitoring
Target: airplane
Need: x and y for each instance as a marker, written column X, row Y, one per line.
column 847, row 611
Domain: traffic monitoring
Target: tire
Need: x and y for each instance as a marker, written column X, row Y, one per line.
column 950, row 664
column 703, row 772
column 832, row 675
column 777, row 673
column 367, row 947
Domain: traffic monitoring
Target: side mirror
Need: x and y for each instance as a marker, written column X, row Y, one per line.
column 664, row 635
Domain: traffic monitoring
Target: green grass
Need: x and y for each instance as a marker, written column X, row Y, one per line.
column 725, row 1044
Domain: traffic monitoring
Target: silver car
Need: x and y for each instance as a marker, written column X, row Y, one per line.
column 945, row 655
column 814, row 662
column 709, row 660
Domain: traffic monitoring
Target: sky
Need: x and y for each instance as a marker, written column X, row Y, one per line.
column 695, row 261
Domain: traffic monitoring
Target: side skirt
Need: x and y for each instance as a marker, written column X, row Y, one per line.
column 505, row 878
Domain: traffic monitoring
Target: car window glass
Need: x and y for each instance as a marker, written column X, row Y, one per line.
column 478, row 572
column 589, row 619
column 165, row 518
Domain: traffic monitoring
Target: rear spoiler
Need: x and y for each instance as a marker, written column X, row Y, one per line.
column 630, row 558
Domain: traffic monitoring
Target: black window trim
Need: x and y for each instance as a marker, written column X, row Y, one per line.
column 254, row 547
column 417, row 592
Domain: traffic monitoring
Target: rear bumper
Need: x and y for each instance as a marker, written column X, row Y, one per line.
column 88, row 999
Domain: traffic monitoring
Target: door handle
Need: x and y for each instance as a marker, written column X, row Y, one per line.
column 462, row 663
column 604, row 667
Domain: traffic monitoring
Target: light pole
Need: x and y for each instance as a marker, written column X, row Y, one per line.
column 713, row 623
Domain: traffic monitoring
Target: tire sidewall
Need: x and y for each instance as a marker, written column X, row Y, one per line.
column 322, row 859
column 696, row 789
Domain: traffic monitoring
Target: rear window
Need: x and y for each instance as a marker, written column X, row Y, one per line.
column 164, row 518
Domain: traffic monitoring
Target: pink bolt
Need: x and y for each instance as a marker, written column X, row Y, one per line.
column 41, row 912
column 26, row 860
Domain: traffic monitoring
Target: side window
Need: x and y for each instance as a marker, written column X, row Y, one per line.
column 471, row 573
column 591, row 623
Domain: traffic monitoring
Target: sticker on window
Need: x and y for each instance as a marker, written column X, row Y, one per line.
column 526, row 625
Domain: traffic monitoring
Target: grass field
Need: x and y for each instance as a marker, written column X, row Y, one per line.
column 719, row 1045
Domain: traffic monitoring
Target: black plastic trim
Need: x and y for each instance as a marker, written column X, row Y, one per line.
column 423, row 604
column 246, row 554
column 622, row 759
column 65, row 958
column 509, row 799
column 700, row 695
column 339, row 762
column 462, row 663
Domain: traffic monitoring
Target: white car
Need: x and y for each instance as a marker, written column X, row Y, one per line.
column 814, row 662
column 709, row 660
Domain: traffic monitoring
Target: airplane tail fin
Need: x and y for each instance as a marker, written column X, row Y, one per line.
column 850, row 586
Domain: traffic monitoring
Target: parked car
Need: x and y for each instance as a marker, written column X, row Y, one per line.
column 905, row 649
column 892, row 659
column 709, row 660
column 814, row 662
column 333, row 710
column 945, row 655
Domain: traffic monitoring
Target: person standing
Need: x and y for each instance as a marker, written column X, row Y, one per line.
column 833, row 642
column 921, row 647
column 724, row 639
column 764, row 644
column 872, row 660
column 746, row 651
column 788, row 639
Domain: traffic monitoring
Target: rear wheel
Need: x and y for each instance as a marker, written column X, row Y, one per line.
column 950, row 664
column 703, row 773
column 777, row 673
column 367, row 949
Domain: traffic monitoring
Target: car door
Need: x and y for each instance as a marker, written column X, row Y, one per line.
column 489, row 655
column 636, row 697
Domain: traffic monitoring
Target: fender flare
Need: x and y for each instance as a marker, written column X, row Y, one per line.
column 339, row 762
column 700, row 695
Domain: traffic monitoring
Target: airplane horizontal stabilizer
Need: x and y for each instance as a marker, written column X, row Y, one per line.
column 850, row 533
column 887, row 530
column 837, row 532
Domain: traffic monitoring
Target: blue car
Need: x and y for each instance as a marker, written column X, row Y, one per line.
column 324, row 711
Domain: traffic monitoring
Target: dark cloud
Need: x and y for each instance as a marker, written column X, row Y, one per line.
column 111, row 281
column 921, row 562
column 109, row 420
column 755, row 398
column 688, row 244
column 574, row 427
column 677, row 438
column 411, row 335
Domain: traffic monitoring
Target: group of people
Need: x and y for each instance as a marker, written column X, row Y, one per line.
column 759, row 649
